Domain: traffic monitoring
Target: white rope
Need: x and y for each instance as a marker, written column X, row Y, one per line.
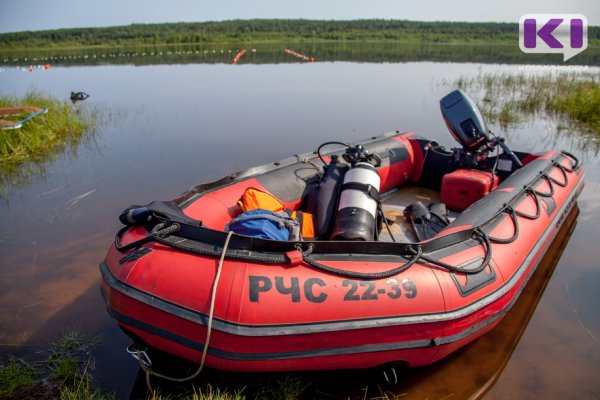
column 213, row 296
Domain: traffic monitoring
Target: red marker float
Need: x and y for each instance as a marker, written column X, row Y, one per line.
column 239, row 55
column 298, row 55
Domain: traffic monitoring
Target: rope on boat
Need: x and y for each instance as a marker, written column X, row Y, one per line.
column 148, row 368
column 478, row 233
column 535, row 195
column 162, row 230
column 418, row 253
column 414, row 252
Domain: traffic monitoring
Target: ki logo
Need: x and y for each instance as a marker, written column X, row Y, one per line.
column 553, row 33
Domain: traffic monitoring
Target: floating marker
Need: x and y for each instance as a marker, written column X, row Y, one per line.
column 239, row 55
column 298, row 55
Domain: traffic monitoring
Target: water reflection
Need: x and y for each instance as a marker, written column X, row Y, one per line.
column 275, row 53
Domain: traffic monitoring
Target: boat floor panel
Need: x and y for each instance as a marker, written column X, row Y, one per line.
column 393, row 204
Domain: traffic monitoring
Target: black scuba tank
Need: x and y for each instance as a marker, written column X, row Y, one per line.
column 322, row 201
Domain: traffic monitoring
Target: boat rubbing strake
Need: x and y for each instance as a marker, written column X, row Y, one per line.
column 369, row 290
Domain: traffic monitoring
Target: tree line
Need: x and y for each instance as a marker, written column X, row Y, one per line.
column 263, row 30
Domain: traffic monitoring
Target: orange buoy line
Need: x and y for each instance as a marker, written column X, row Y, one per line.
column 32, row 68
column 239, row 55
column 298, row 55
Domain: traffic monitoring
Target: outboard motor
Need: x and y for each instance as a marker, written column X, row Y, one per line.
column 357, row 210
column 466, row 124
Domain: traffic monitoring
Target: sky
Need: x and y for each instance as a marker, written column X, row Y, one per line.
column 22, row 15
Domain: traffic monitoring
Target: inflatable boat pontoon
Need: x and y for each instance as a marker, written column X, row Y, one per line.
column 388, row 278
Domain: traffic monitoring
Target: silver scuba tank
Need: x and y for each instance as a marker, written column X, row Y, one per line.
column 357, row 209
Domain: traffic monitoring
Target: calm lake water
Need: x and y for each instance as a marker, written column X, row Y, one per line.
column 165, row 127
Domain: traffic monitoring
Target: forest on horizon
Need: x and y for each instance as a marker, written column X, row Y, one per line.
column 269, row 30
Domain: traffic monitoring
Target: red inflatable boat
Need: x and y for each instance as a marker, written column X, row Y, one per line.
column 388, row 278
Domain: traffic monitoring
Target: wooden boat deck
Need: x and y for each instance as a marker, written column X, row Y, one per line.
column 393, row 204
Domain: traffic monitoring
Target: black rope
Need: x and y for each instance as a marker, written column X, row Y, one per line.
column 513, row 216
column 161, row 231
column 327, row 144
column 417, row 255
column 574, row 165
column 536, row 199
column 359, row 275
column 546, row 194
column 562, row 169
column 157, row 235
column 483, row 239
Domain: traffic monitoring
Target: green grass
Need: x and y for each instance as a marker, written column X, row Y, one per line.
column 25, row 152
column 70, row 359
column 64, row 372
column 62, row 125
column 286, row 387
column 581, row 104
column 208, row 393
column 15, row 374
column 571, row 98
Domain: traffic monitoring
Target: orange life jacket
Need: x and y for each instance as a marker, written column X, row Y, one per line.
column 255, row 198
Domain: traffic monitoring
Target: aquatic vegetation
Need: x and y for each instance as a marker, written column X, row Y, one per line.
column 215, row 394
column 60, row 127
column 15, row 374
column 286, row 388
column 25, row 152
column 64, row 374
column 573, row 98
column 67, row 354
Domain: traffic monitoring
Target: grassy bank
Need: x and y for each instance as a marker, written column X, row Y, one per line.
column 25, row 152
column 61, row 372
column 573, row 99
column 59, row 127
column 65, row 371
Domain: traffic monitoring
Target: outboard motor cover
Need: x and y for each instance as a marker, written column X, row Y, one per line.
column 464, row 120
column 357, row 209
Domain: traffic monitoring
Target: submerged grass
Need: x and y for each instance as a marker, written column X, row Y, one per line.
column 67, row 356
column 14, row 375
column 64, row 372
column 25, row 152
column 572, row 98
